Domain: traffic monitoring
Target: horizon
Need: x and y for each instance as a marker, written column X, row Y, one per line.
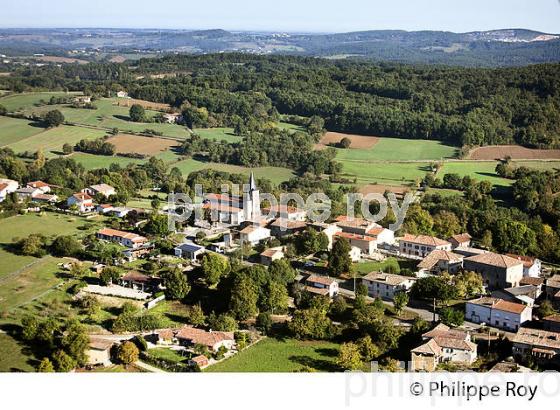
column 291, row 16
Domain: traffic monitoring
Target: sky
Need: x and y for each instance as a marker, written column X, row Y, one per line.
column 286, row 15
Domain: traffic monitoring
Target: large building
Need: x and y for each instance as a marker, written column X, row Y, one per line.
column 539, row 345
column 498, row 313
column 128, row 239
column 421, row 245
column 497, row 271
column 439, row 261
column 386, row 285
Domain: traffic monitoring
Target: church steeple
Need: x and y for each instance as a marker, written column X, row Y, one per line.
column 252, row 183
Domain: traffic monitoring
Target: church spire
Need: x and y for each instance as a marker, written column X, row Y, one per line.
column 252, row 183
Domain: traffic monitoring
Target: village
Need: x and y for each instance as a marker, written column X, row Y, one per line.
column 506, row 299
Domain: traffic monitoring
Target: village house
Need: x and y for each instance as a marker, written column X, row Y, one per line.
column 439, row 261
column 139, row 281
column 443, row 344
column 524, row 294
column 537, row 282
column 27, row 193
column 43, row 186
column 284, row 227
column 355, row 254
column 366, row 244
column 99, row 352
column 189, row 250
column 497, row 313
column 128, row 239
column 82, row 201
column 460, row 240
column 467, row 251
column 172, row 118
column 421, row 245
column 122, row 94
column 552, row 287
column 359, row 226
column 531, row 266
column 101, row 189
column 551, row 322
column 191, row 336
column 291, row 213
column 104, row 208
column 330, row 230
column 253, row 234
column 382, row 235
column 386, row 285
column 322, row 285
column 541, row 346
column 271, row 255
column 200, row 361
column 82, row 99
column 497, row 271
column 119, row 211
column 7, row 186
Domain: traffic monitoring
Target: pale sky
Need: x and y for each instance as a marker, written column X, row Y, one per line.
column 286, row 15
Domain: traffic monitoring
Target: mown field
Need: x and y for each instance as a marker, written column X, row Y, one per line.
column 391, row 173
column 285, row 355
column 13, row 130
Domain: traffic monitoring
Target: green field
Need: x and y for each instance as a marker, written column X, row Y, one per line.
column 91, row 161
column 395, row 173
column 288, row 355
column 12, row 356
column 540, row 165
column 397, row 149
column 26, row 101
column 219, row 134
column 275, row 174
column 479, row 170
column 52, row 140
column 13, row 130
column 366, row 267
column 48, row 224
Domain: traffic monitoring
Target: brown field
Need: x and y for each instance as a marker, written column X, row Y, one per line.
column 399, row 191
column 117, row 59
column 514, row 151
column 126, row 143
column 55, row 59
column 358, row 141
column 149, row 105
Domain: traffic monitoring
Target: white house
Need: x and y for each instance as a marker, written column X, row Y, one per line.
column 99, row 352
column 497, row 313
column 7, row 186
column 189, row 250
column 290, row 213
column 43, row 186
column 322, row 285
column 358, row 226
column 531, row 266
column 253, row 234
column 421, row 245
column 386, row 285
column 128, row 239
column 366, row 244
column 122, row 94
column 382, row 235
column 83, row 201
column 191, row 336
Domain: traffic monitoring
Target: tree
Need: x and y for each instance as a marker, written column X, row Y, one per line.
column 349, row 356
column 434, row 287
column 345, row 142
column 90, row 305
column 214, row 267
column 339, row 257
column 53, row 118
column 368, row 349
column 400, row 301
column 29, row 327
column 311, row 323
column 264, row 322
column 109, row 275
column 545, row 309
column 176, row 285
column 451, row 317
column 75, row 342
column 63, row 362
column 33, row 245
column 468, row 284
column 127, row 353
column 67, row 148
column 222, row 322
column 282, row 271
column 137, row 113
column 45, row 366
column 277, row 300
column 446, row 224
column 79, row 270
column 65, row 246
column 244, row 298
column 195, row 315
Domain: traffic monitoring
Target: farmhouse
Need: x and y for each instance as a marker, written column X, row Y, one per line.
column 443, row 344
column 7, row 186
column 552, row 286
column 27, row 193
column 81, row 200
column 100, row 189
column 497, row 271
column 322, row 285
column 201, row 361
column 99, row 352
column 191, row 336
column 386, row 285
column 524, row 294
column 128, row 239
column 497, row 313
column 122, row 94
column 439, row 261
column 172, row 118
column 271, row 255
column 421, row 245
column 540, row 345
column 531, row 266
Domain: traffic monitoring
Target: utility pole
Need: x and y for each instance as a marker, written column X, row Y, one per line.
column 434, row 311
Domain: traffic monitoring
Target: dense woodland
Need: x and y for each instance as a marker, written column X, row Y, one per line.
column 461, row 106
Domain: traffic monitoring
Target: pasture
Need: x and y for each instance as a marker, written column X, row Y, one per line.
column 26, row 101
column 388, row 173
column 13, row 130
column 127, row 143
column 282, row 356
column 91, row 161
column 218, row 134
column 478, row 170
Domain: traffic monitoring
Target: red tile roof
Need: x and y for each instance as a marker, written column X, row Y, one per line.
column 424, row 240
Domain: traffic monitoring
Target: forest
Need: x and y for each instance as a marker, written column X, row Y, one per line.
column 460, row 106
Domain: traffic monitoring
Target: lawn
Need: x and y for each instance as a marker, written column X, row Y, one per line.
column 52, row 140
column 288, row 355
column 398, row 149
column 396, row 173
column 371, row 266
column 167, row 354
column 12, row 356
column 15, row 129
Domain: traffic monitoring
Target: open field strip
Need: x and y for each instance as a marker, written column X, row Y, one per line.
column 25, row 101
column 13, row 130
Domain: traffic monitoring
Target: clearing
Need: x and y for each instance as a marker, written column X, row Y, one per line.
column 286, row 355
column 126, row 143
column 495, row 152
